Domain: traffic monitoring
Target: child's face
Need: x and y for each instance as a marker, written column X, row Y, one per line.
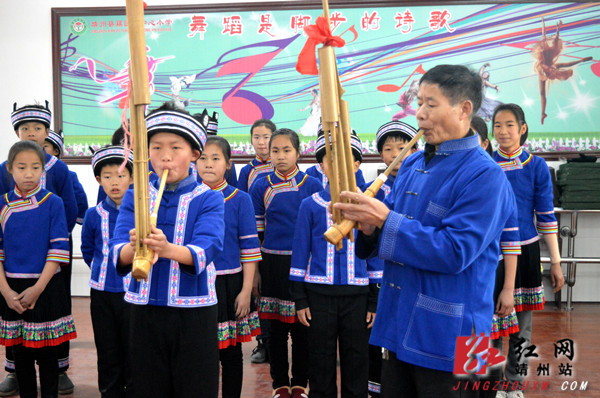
column 115, row 184
column 33, row 131
column 27, row 169
column 212, row 165
column 391, row 148
column 507, row 131
column 260, row 141
column 50, row 148
column 283, row 154
column 171, row 152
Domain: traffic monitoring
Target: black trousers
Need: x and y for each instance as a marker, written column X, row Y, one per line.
column 110, row 321
column 64, row 348
column 174, row 351
column 400, row 379
column 338, row 319
column 278, row 351
column 25, row 359
column 232, row 371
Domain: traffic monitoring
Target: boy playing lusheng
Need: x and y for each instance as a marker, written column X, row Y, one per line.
column 32, row 123
column 174, row 345
column 110, row 313
column 331, row 290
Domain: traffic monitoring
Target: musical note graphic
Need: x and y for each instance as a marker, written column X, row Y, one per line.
column 245, row 106
column 391, row 88
column 66, row 50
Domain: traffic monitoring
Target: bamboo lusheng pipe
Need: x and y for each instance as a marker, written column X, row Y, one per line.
column 336, row 127
column 139, row 98
column 336, row 232
column 141, row 268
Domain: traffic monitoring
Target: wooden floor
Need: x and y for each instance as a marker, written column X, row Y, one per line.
column 549, row 326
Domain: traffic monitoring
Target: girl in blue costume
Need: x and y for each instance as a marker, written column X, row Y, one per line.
column 236, row 266
column 34, row 313
column 276, row 200
column 530, row 180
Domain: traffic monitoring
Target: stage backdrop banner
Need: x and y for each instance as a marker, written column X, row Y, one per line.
column 240, row 61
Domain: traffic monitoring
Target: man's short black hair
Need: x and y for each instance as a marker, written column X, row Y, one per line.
column 457, row 82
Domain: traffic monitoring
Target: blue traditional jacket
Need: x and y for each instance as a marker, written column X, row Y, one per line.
column 55, row 179
column 252, row 171
column 314, row 260
column 98, row 228
column 530, row 179
column 440, row 244
column 241, row 239
column 317, row 172
column 276, row 200
column 192, row 215
column 33, row 232
column 80, row 197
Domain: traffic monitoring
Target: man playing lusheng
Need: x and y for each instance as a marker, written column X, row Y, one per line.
column 439, row 245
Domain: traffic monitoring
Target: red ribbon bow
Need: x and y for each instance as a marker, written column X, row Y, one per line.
column 320, row 33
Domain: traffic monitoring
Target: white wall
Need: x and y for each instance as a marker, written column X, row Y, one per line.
column 26, row 76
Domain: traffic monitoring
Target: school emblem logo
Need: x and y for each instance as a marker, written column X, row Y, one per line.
column 78, row 26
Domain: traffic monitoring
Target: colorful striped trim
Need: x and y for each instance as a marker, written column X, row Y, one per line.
column 515, row 154
column 544, row 212
column 510, row 248
column 278, row 252
column 239, row 331
column 220, row 186
column 274, row 308
column 16, row 275
column 2, row 257
column 288, row 176
column 60, row 256
column 59, row 240
column 230, row 271
column 250, row 255
column 260, row 223
column 249, row 236
column 528, row 241
column 258, row 171
column 511, row 229
column 547, row 227
column 529, row 299
column 504, row 326
column 37, row 335
column 27, row 194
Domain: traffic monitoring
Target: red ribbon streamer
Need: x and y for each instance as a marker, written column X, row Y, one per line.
column 320, row 33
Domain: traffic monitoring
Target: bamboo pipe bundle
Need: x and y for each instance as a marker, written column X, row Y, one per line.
column 336, row 232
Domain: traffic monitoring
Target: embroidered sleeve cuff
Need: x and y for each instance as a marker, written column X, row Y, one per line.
column 199, row 258
column 59, row 256
column 389, row 234
column 79, row 220
column 260, row 224
column 297, row 274
column 2, row 255
column 250, row 255
column 116, row 252
column 375, row 276
column 511, row 248
column 547, row 227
